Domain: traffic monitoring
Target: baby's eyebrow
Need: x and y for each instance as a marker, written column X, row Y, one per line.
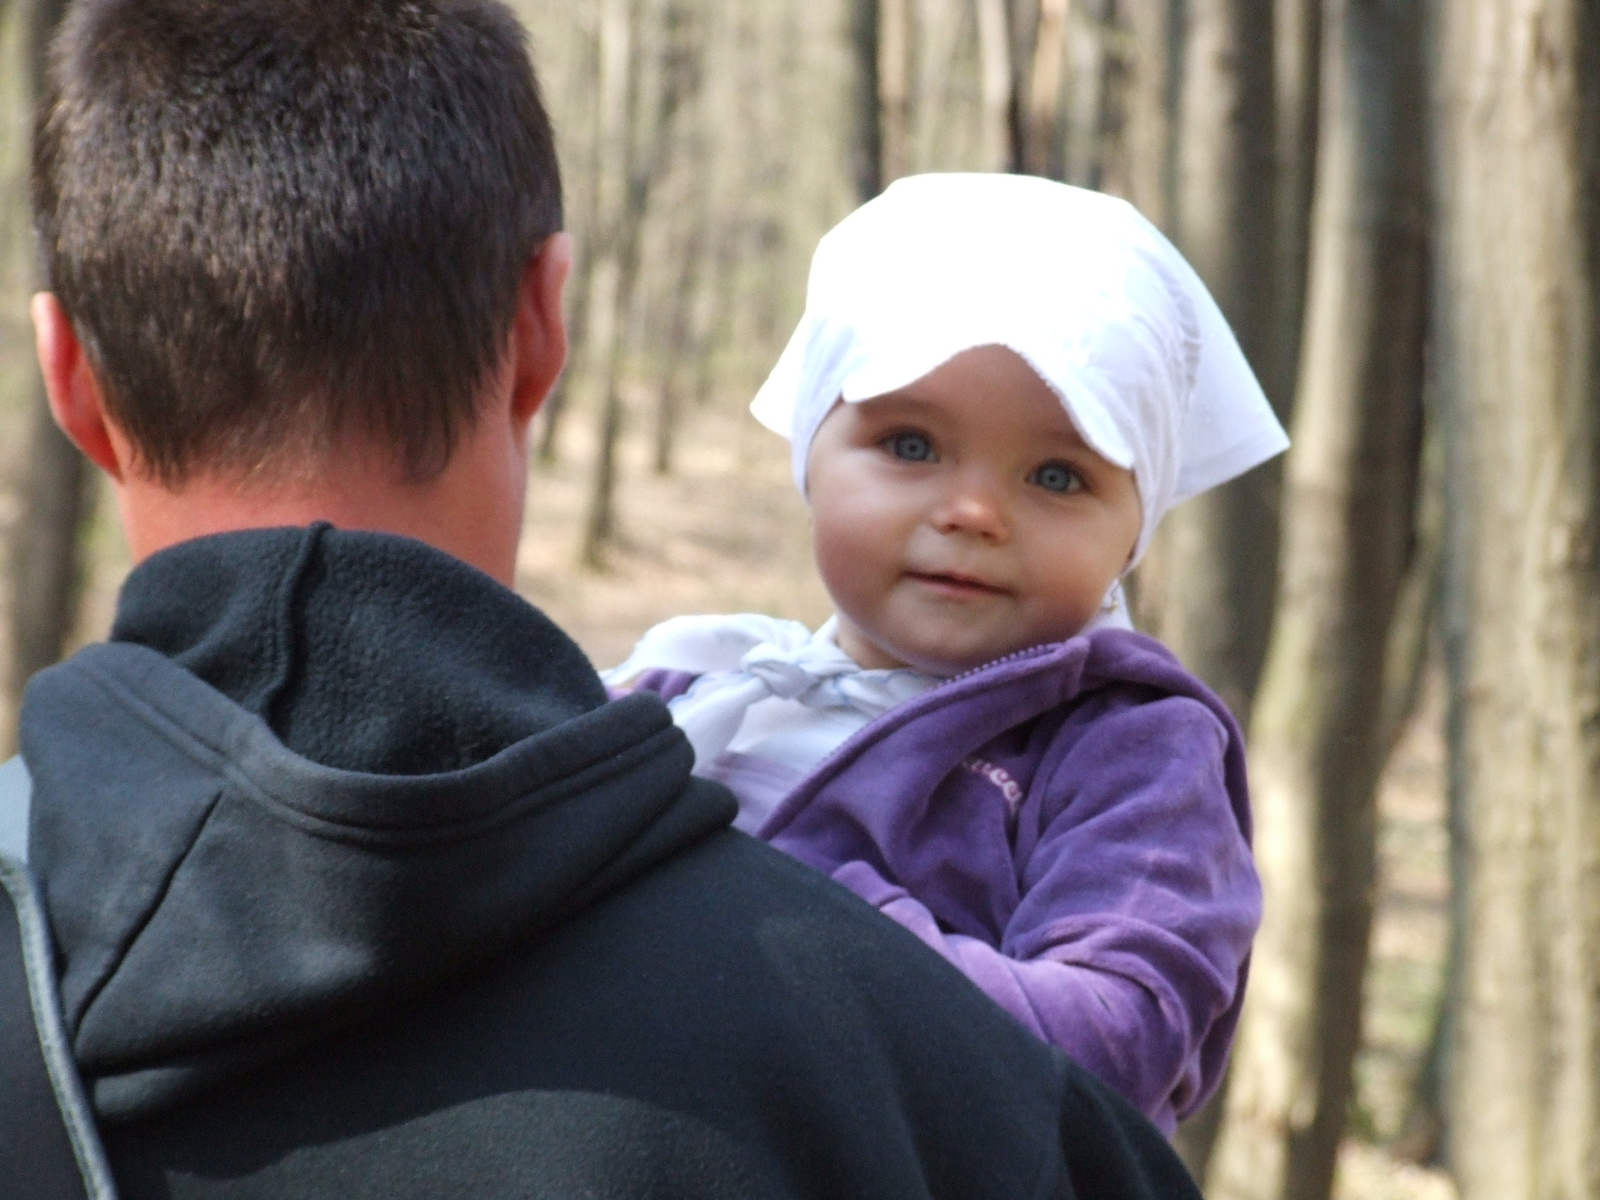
column 1059, row 436
column 890, row 400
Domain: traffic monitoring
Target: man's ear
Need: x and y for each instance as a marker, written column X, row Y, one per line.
column 77, row 400
column 539, row 336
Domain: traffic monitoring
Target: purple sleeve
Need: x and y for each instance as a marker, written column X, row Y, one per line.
column 1139, row 900
column 669, row 685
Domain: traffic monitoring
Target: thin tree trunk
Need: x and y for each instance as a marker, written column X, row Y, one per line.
column 1220, row 551
column 994, row 60
column 47, row 560
column 1422, row 1136
column 1412, row 632
column 1112, row 166
column 1297, row 55
column 583, row 196
column 680, row 334
column 1041, row 105
column 1296, row 37
column 46, row 550
column 1083, row 115
column 555, row 408
column 717, row 327
column 895, row 31
column 895, row 72
column 1153, row 28
column 610, row 286
column 1317, row 738
column 1516, row 139
column 639, row 160
column 942, row 41
column 867, row 147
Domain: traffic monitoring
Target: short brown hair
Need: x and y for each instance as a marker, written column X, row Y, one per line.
column 273, row 221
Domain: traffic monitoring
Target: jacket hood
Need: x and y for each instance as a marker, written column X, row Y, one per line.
column 316, row 773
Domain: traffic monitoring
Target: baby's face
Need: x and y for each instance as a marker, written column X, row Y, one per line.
column 963, row 518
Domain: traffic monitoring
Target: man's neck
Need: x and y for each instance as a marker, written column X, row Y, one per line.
column 353, row 488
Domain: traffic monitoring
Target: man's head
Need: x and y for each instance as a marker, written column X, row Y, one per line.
column 280, row 229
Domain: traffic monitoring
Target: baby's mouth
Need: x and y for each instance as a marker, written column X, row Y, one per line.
column 956, row 584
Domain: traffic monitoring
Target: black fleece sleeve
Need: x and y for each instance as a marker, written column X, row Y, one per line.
column 1111, row 1152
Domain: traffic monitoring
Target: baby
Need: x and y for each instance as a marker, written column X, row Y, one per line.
column 999, row 387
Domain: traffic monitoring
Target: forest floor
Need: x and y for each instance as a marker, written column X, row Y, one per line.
column 726, row 532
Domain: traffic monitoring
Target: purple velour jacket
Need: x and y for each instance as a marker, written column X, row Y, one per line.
column 1070, row 827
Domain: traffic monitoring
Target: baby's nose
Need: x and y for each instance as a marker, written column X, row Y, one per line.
column 974, row 508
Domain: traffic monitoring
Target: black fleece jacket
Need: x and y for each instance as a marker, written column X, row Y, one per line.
column 361, row 889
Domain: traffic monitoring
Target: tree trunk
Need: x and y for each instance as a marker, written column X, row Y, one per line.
column 610, row 288
column 1220, row 551
column 46, row 551
column 681, row 338
column 717, row 321
column 994, row 60
column 1422, row 1135
column 1412, row 631
column 47, row 566
column 1238, row 88
column 867, row 147
column 1042, row 135
column 1083, row 112
column 1297, row 56
column 639, row 158
column 1116, row 82
column 1516, row 138
column 583, row 188
column 895, row 31
column 1317, row 738
column 1153, row 28
column 555, row 408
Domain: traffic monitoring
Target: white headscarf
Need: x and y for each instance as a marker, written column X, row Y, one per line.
column 1077, row 283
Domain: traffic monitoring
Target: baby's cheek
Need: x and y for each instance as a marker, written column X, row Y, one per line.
column 1060, row 607
column 850, row 570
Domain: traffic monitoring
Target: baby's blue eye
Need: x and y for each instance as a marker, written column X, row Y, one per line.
column 1057, row 477
column 911, row 447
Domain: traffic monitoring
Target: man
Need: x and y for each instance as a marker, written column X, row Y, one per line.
column 359, row 887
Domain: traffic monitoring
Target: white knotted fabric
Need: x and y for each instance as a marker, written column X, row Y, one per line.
column 1077, row 283
column 773, row 687
column 744, row 659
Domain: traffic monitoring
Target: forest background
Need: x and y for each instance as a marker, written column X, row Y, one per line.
column 1397, row 203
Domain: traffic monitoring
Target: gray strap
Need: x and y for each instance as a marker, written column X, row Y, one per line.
column 16, row 796
column 40, row 965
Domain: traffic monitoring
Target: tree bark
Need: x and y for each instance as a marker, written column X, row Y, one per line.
column 1516, row 136
column 1297, row 58
column 47, row 560
column 685, row 327
column 1042, row 149
column 1219, row 552
column 638, row 158
column 1153, row 29
column 611, row 283
column 1083, row 115
column 555, row 408
column 867, row 145
column 895, row 32
column 1317, row 738
column 1116, row 83
column 46, row 550
column 994, row 60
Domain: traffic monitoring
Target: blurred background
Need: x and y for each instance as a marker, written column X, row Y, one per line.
column 1395, row 202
